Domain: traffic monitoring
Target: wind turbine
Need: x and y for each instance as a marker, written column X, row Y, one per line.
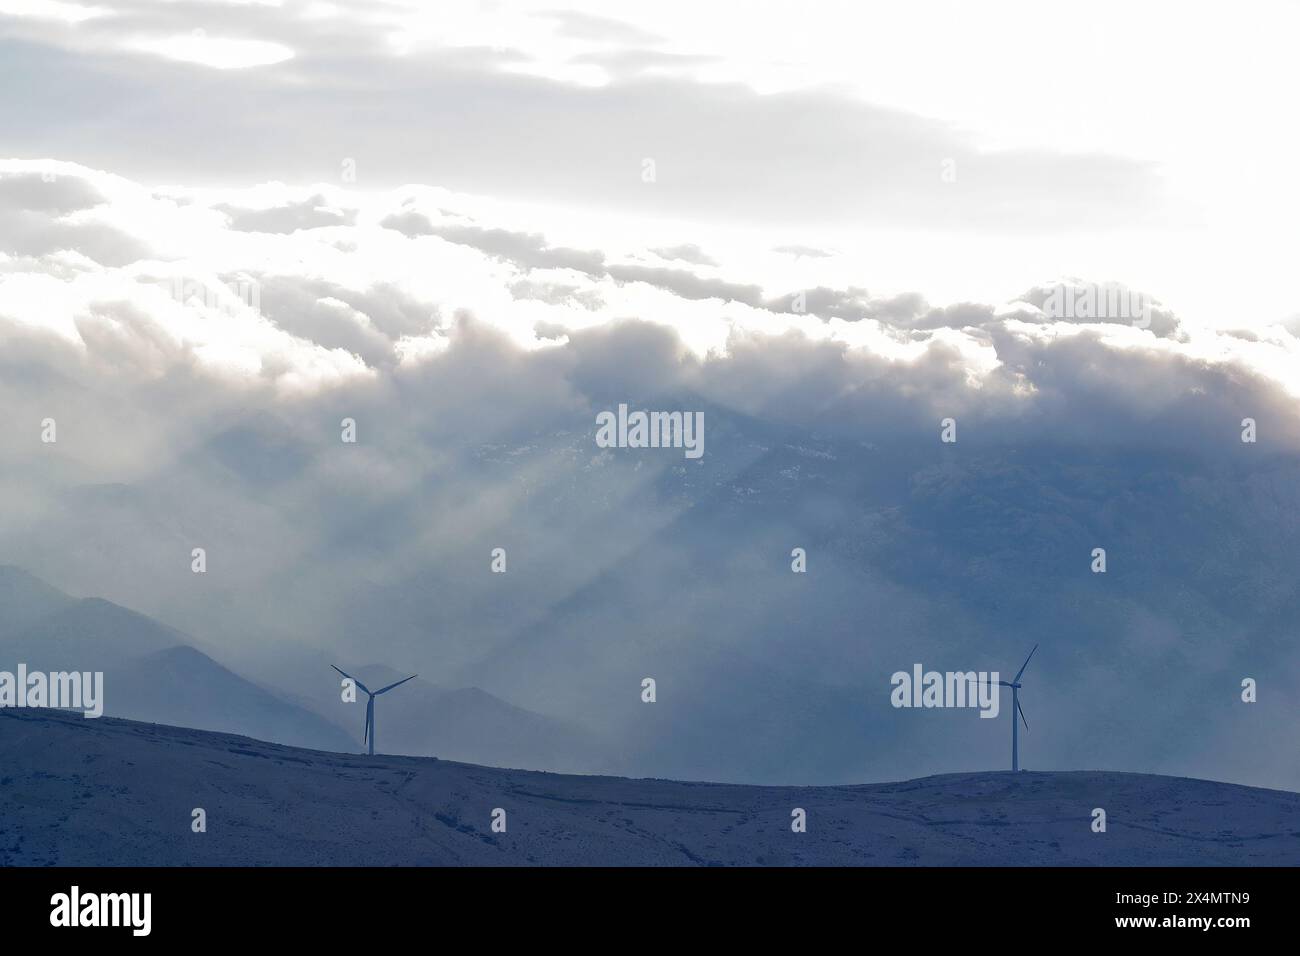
column 370, row 704
column 1014, row 684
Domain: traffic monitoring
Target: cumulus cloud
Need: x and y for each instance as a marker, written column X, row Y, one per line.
column 39, row 214
column 686, row 252
column 311, row 213
column 798, row 251
column 349, row 276
column 1106, row 302
column 529, row 250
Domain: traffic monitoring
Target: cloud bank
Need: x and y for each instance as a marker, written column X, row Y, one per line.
column 199, row 349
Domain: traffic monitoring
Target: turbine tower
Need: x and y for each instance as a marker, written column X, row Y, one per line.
column 370, row 704
column 1014, row 684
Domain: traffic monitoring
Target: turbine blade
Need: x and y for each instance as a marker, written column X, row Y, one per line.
column 383, row 690
column 1022, row 714
column 353, row 679
column 370, row 715
column 1016, row 679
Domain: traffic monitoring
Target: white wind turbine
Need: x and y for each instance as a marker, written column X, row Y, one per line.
column 370, row 704
column 1014, row 684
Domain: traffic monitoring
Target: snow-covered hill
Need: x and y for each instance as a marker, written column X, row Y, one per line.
column 116, row 792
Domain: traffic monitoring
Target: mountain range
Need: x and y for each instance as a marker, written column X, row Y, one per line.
column 153, row 672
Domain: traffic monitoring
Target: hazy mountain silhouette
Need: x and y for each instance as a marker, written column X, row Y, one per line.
column 26, row 599
column 915, row 554
column 627, row 565
column 424, row 718
column 89, row 634
column 184, row 686
column 150, row 670
column 467, row 723
column 153, row 673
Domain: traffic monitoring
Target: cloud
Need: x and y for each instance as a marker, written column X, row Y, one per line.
column 531, row 251
column 554, row 293
column 48, row 193
column 38, row 216
column 587, row 26
column 687, row 285
column 84, row 276
column 528, row 250
column 1106, row 302
column 296, row 267
column 311, row 213
column 718, row 155
column 686, row 252
column 797, row 251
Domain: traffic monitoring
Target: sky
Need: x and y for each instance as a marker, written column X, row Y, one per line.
column 226, row 227
column 1138, row 143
